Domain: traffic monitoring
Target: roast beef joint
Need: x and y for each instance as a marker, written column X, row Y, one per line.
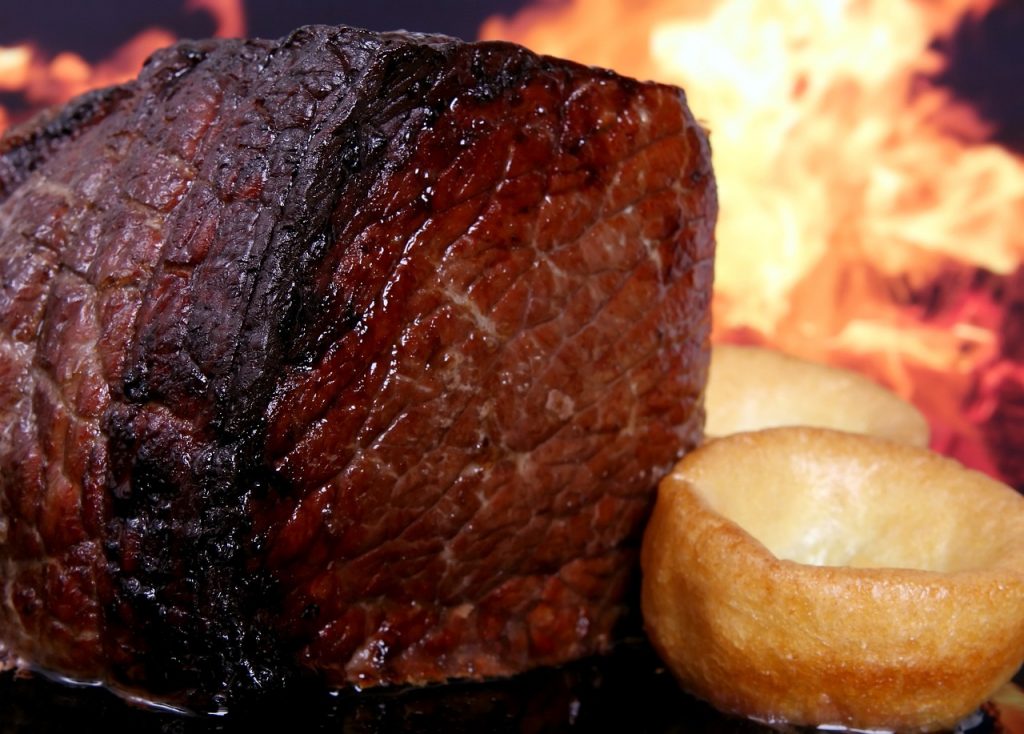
column 351, row 357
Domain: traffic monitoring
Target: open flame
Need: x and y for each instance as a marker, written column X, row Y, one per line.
column 43, row 79
column 864, row 219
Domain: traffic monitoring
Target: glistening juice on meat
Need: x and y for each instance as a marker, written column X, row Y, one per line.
column 349, row 355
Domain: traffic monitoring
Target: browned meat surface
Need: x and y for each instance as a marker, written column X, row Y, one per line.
column 352, row 356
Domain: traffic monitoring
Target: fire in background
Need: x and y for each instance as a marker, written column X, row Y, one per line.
column 33, row 76
column 50, row 48
column 868, row 155
column 871, row 216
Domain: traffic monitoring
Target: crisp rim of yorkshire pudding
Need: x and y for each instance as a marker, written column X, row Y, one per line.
column 750, row 388
column 819, row 577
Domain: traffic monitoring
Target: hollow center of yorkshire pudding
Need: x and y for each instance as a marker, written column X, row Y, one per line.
column 838, row 505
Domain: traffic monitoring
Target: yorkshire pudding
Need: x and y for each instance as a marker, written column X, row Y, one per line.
column 820, row 577
column 750, row 388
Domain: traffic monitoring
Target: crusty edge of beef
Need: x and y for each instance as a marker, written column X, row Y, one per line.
column 25, row 147
column 197, row 644
column 28, row 145
column 208, row 654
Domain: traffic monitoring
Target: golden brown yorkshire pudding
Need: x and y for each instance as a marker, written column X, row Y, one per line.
column 750, row 388
column 819, row 577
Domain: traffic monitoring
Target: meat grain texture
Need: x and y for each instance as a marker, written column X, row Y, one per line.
column 348, row 356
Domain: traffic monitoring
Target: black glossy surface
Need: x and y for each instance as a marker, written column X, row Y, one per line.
column 626, row 691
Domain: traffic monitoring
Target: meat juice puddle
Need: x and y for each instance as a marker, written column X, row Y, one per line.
column 128, row 697
column 978, row 722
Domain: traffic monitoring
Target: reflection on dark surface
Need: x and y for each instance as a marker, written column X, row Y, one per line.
column 625, row 691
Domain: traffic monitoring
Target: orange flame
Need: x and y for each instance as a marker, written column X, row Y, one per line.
column 44, row 80
column 849, row 185
column 228, row 14
column 847, row 181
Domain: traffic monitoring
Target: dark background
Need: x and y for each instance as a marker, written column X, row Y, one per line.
column 629, row 690
column 93, row 27
column 987, row 51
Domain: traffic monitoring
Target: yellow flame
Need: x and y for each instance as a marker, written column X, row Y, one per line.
column 843, row 174
column 44, row 80
column 14, row 67
column 809, row 155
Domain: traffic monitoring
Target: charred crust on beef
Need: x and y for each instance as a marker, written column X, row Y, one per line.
column 351, row 355
column 25, row 148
